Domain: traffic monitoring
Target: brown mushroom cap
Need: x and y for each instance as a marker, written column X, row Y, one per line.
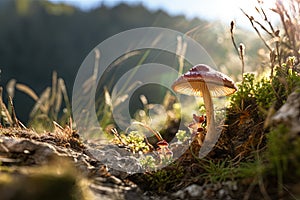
column 162, row 143
column 192, row 82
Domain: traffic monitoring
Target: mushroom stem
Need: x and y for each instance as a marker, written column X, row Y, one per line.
column 209, row 114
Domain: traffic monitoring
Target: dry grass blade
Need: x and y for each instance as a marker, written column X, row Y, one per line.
column 180, row 51
column 91, row 82
column 125, row 57
column 70, row 123
column 133, row 86
column 57, row 126
column 22, row 125
column 58, row 101
column 4, row 112
column 88, row 85
column 144, row 100
column 263, row 15
column 141, row 61
column 63, row 88
column 263, row 27
column 268, row 21
column 155, row 133
column 232, row 28
column 241, row 52
column 251, row 19
column 54, row 88
column 10, row 88
column 107, row 97
column 118, row 98
column 27, row 90
column 42, row 103
column 50, row 101
column 13, row 113
column 242, row 56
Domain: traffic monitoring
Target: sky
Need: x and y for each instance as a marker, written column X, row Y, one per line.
column 224, row 10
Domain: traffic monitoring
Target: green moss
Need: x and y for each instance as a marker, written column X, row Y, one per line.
column 262, row 94
column 182, row 136
column 148, row 163
column 283, row 155
column 278, row 148
column 245, row 91
column 164, row 179
column 135, row 141
column 217, row 171
column 251, row 169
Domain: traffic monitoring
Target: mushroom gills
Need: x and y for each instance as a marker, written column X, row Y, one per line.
column 194, row 88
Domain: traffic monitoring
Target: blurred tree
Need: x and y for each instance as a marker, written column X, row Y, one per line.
column 23, row 6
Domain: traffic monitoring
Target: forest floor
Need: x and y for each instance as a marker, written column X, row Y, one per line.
column 249, row 161
column 49, row 165
column 57, row 165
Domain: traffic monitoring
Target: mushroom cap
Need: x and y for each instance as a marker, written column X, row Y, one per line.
column 192, row 82
column 162, row 143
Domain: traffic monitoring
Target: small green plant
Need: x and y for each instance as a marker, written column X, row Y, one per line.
column 264, row 93
column 166, row 159
column 148, row 163
column 135, row 141
column 250, row 169
column 164, row 179
column 182, row 136
column 217, row 171
column 245, row 94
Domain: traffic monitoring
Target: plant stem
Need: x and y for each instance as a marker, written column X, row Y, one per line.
column 242, row 54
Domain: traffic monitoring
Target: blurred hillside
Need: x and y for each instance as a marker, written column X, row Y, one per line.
column 38, row 37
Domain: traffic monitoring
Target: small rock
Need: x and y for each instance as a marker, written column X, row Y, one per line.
column 289, row 113
column 194, row 190
column 179, row 194
column 116, row 160
column 232, row 185
column 221, row 193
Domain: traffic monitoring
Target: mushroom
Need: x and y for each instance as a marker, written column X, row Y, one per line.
column 163, row 145
column 163, row 150
column 201, row 80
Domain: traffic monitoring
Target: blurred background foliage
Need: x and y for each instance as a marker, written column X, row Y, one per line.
column 39, row 37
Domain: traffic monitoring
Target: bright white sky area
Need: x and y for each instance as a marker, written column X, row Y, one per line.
column 224, row 10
